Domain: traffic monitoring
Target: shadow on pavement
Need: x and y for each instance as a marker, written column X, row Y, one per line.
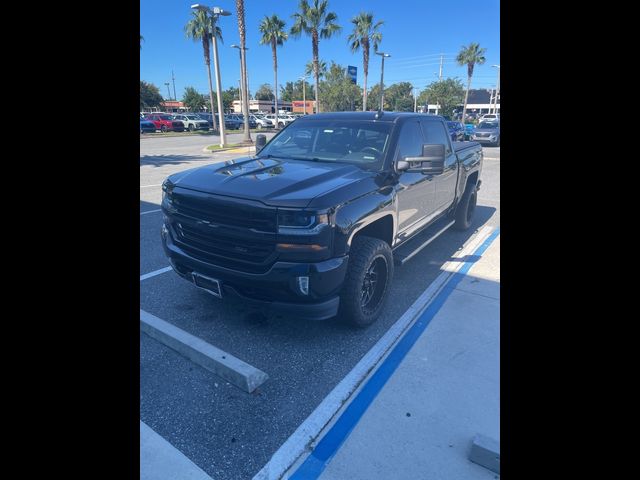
column 160, row 160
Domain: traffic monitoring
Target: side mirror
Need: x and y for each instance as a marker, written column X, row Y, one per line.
column 430, row 163
column 261, row 141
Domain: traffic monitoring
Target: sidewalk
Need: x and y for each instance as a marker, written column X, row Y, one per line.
column 444, row 391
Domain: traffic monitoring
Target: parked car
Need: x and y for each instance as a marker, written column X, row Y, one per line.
column 306, row 226
column 487, row 131
column 252, row 122
column 232, row 122
column 192, row 122
column 456, row 130
column 147, row 126
column 491, row 116
column 165, row 122
column 283, row 119
column 262, row 121
column 469, row 128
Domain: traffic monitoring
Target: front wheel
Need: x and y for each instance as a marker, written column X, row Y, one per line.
column 368, row 280
column 466, row 208
column 163, row 129
column 192, row 127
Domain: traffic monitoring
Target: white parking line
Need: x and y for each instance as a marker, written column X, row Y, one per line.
column 153, row 274
column 151, row 211
column 217, row 361
column 296, row 445
column 146, row 186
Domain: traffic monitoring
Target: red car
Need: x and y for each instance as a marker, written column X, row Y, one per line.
column 165, row 123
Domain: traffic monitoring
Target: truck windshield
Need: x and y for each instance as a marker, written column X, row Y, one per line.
column 360, row 143
column 488, row 125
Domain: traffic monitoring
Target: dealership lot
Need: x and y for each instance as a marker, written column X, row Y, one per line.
column 224, row 430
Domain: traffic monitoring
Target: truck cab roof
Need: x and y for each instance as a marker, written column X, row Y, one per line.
column 377, row 116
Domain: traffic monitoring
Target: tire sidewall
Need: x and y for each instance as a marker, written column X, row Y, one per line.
column 469, row 198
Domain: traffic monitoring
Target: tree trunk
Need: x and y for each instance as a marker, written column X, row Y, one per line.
column 207, row 61
column 365, row 70
column 245, row 84
column 316, row 73
column 275, row 77
column 466, row 97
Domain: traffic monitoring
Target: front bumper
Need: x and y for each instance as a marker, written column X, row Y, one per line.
column 484, row 140
column 275, row 289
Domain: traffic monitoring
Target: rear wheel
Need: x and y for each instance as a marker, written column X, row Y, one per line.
column 466, row 208
column 163, row 129
column 192, row 127
column 366, row 286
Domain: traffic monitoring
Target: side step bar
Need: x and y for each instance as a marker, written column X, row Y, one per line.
column 405, row 252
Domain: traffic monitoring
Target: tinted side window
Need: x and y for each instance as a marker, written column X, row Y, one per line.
column 410, row 140
column 435, row 133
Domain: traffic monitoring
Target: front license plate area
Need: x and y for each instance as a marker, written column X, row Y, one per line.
column 208, row 284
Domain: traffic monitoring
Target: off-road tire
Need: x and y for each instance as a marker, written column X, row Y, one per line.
column 366, row 253
column 466, row 208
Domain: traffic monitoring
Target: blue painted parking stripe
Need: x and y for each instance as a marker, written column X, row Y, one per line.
column 319, row 458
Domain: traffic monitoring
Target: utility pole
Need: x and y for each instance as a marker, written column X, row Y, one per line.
column 168, row 91
column 173, row 79
column 440, row 74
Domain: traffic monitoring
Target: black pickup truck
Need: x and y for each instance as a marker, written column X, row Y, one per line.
column 314, row 222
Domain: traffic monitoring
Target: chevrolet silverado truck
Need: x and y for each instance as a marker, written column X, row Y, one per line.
column 314, row 222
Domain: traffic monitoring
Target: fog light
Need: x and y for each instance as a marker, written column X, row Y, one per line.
column 303, row 285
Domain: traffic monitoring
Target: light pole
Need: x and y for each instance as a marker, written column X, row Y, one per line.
column 215, row 13
column 383, row 55
column 495, row 108
column 173, row 79
column 304, row 93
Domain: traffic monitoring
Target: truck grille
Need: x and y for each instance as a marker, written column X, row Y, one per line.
column 224, row 233
column 483, row 135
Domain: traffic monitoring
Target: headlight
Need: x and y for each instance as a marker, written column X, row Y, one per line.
column 167, row 188
column 298, row 222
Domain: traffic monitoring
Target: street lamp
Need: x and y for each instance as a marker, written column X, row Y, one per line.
column 495, row 108
column 215, row 13
column 243, row 96
column 168, row 91
column 383, row 55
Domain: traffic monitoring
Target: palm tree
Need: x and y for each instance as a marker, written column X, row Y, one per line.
column 364, row 34
column 322, row 68
column 243, row 52
column 200, row 27
column 469, row 56
column 318, row 23
column 272, row 29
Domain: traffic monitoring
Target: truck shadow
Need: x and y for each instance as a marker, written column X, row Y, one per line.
column 160, row 160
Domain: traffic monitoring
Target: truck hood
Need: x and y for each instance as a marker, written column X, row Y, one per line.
column 272, row 181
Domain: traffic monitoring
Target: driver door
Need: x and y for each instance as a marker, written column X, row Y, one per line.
column 416, row 191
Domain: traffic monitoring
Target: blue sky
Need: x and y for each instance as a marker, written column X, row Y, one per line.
column 415, row 33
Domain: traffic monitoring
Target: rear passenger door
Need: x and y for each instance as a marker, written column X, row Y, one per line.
column 416, row 191
column 435, row 131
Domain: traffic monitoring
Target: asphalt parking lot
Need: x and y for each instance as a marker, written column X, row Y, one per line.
column 225, row 431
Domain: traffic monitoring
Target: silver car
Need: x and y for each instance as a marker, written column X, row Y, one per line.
column 262, row 121
column 487, row 132
column 192, row 122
